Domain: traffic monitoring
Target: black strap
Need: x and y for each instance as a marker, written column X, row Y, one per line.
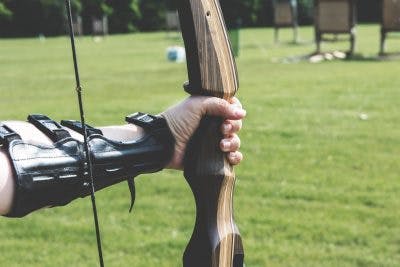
column 146, row 121
column 77, row 127
column 7, row 135
column 50, row 128
column 132, row 189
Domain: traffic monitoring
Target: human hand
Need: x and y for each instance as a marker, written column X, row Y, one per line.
column 184, row 118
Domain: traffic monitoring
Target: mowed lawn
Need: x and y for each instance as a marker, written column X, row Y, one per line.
column 319, row 185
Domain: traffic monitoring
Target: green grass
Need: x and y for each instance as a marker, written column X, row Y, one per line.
column 318, row 187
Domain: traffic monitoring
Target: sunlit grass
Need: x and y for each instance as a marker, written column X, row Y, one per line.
column 319, row 186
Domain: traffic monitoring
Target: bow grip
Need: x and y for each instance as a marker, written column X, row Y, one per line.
column 216, row 241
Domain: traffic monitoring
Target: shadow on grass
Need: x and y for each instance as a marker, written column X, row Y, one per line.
column 269, row 45
column 377, row 58
column 293, row 43
column 339, row 56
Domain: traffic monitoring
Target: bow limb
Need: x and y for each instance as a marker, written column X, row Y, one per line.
column 216, row 241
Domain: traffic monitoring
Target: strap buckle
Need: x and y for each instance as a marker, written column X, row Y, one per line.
column 146, row 121
column 77, row 127
column 50, row 128
column 7, row 135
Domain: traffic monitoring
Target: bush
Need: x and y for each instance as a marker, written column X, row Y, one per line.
column 5, row 13
column 125, row 15
column 33, row 17
column 305, row 11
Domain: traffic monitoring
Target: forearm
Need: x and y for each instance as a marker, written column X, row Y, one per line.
column 31, row 134
column 6, row 184
column 124, row 152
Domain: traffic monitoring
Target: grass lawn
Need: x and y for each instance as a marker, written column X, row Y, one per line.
column 319, row 186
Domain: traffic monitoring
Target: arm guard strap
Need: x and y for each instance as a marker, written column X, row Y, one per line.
column 50, row 176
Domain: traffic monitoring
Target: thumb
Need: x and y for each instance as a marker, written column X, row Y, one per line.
column 219, row 107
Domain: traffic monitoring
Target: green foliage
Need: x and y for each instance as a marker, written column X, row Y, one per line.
column 241, row 12
column 306, row 11
column 318, row 186
column 171, row 4
column 32, row 17
column 5, row 13
column 93, row 9
column 125, row 15
column 53, row 17
column 153, row 15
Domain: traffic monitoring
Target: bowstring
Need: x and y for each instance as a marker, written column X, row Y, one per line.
column 85, row 137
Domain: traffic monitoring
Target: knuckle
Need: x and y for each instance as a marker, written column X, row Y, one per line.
column 236, row 141
column 237, row 125
column 223, row 105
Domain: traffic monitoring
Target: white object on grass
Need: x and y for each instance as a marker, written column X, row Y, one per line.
column 176, row 54
column 363, row 116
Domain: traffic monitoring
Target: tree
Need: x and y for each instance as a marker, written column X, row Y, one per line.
column 33, row 17
column 125, row 15
column 245, row 11
column 306, row 11
column 5, row 13
column 93, row 9
column 153, row 15
column 5, row 18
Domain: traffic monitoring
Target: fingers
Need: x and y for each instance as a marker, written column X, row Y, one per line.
column 235, row 101
column 234, row 113
column 231, row 126
column 219, row 107
column 230, row 144
column 235, row 158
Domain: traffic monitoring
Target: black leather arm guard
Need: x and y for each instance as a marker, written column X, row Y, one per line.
column 49, row 176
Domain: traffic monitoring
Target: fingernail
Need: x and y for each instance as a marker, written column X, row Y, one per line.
column 227, row 128
column 240, row 112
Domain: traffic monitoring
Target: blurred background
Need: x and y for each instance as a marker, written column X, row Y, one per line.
column 319, row 185
column 34, row 17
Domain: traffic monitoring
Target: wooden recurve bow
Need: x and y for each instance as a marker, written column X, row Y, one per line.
column 216, row 241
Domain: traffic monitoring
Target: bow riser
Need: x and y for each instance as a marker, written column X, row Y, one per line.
column 211, row 65
column 216, row 241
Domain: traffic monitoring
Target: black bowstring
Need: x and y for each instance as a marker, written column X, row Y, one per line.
column 85, row 138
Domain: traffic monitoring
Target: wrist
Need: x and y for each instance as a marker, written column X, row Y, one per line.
column 158, row 127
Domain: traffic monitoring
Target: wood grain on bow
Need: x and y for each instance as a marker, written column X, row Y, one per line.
column 216, row 241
